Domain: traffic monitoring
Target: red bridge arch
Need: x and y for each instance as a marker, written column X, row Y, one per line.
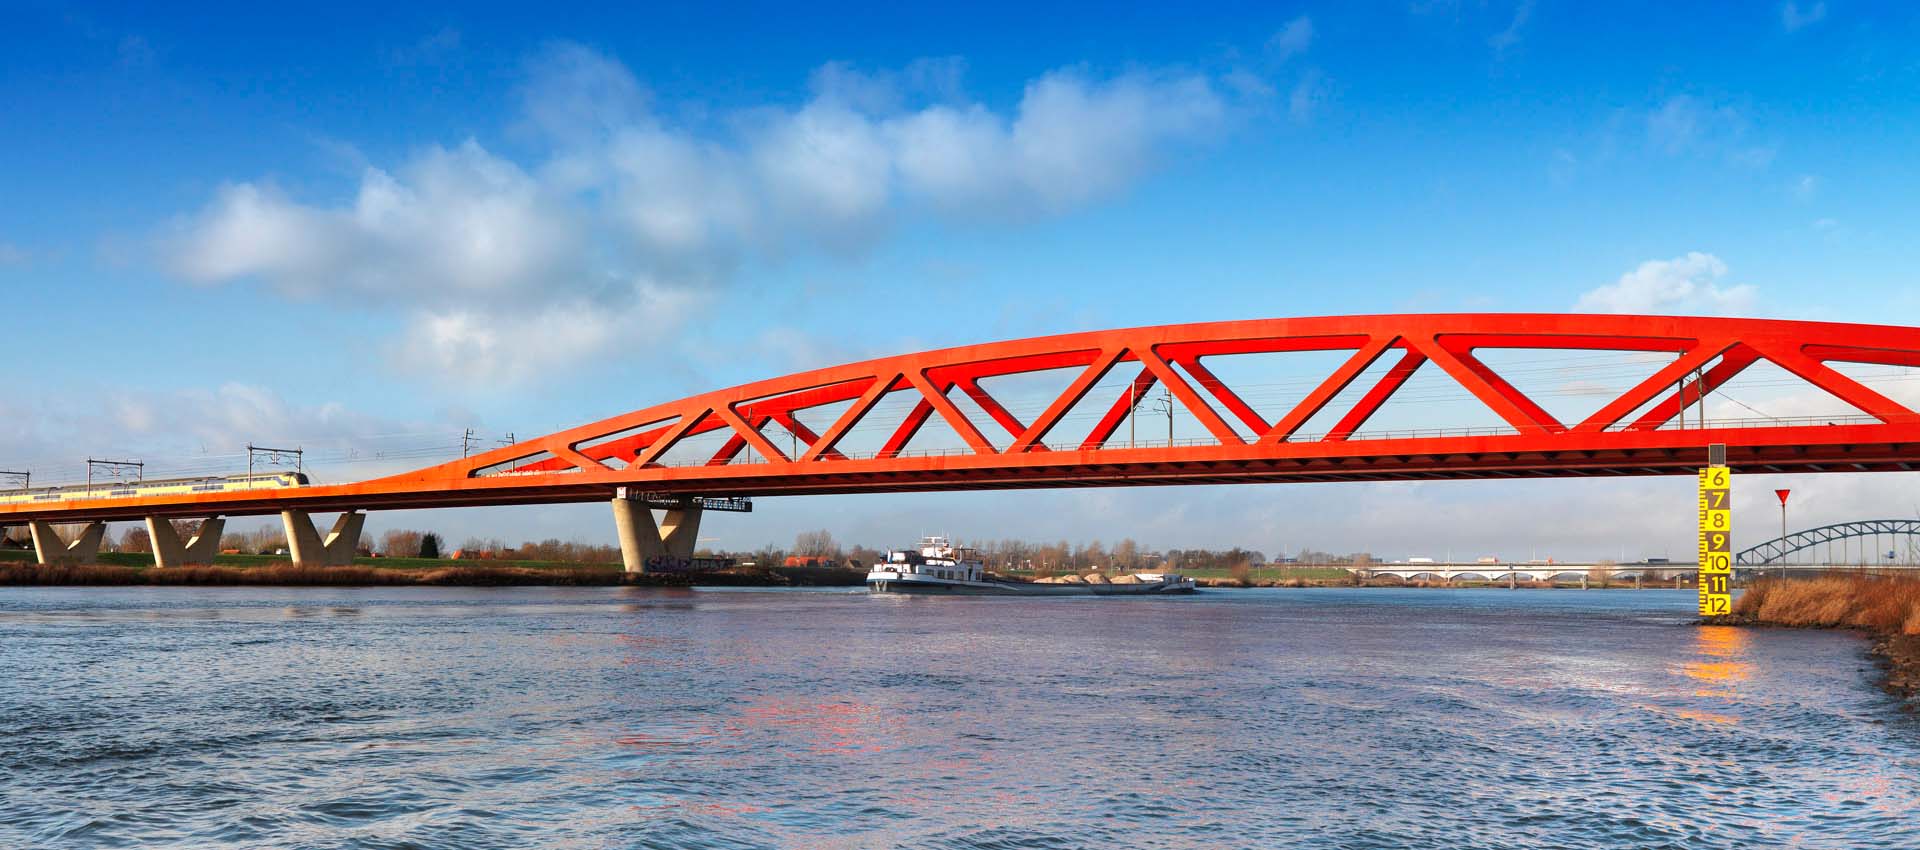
column 1629, row 435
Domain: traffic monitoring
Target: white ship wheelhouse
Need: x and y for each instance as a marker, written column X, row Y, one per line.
column 937, row 558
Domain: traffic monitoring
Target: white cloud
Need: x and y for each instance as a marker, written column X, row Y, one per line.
column 1793, row 17
column 1691, row 125
column 433, row 49
column 456, row 222
column 1805, row 187
column 1505, row 39
column 200, row 430
column 1678, row 123
column 1687, row 284
column 12, row 255
column 1308, row 94
column 476, row 346
column 1291, row 40
column 627, row 210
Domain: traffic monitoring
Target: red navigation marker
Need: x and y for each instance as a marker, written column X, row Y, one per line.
column 1783, row 496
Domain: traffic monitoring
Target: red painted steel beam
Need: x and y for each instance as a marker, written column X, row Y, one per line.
column 570, row 465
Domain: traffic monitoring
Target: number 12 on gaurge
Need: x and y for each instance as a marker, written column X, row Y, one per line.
column 1716, row 541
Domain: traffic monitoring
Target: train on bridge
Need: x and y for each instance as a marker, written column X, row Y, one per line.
column 156, row 488
column 792, row 435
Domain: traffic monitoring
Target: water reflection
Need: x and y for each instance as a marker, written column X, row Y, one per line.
column 1720, row 661
column 628, row 717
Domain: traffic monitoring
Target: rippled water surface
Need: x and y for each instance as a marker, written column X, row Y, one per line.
column 477, row 718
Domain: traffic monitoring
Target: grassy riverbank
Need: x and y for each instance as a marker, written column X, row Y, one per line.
column 1886, row 608
column 267, row 570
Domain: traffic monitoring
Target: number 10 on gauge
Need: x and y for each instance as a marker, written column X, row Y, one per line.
column 1716, row 541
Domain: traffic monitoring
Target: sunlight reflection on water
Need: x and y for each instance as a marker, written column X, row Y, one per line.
column 249, row 717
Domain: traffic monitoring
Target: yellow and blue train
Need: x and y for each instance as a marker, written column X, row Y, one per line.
column 156, row 487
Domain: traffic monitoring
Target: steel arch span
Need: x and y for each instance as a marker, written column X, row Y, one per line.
column 1773, row 550
column 1634, row 433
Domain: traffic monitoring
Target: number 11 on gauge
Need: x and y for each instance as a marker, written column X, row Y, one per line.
column 1716, row 541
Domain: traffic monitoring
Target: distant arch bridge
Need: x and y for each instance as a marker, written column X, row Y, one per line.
column 1851, row 538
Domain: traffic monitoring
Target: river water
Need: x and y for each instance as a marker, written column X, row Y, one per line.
column 620, row 717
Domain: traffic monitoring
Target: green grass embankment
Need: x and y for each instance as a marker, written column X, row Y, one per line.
column 1274, row 575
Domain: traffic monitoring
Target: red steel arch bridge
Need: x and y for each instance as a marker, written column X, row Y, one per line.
column 771, row 438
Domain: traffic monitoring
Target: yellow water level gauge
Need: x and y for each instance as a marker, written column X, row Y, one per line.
column 1716, row 541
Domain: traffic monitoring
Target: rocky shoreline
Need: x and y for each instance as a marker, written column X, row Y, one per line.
column 1886, row 610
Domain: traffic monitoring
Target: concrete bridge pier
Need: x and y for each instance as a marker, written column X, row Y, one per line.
column 642, row 539
column 168, row 551
column 334, row 550
column 49, row 548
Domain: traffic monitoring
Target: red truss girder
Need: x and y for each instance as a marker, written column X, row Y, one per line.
column 1003, row 451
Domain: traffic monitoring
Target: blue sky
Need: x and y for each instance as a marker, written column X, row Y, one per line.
column 365, row 229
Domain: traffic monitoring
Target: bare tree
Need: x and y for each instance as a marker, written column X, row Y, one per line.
column 815, row 544
column 400, row 543
column 134, row 540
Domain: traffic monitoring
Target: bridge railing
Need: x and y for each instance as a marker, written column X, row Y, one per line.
column 1759, row 422
column 749, row 458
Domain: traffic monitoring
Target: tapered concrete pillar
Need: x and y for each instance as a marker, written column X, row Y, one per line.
column 678, row 530
column 49, row 548
column 168, row 551
column 642, row 540
column 334, row 550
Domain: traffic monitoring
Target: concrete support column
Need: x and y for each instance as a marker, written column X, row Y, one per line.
column 679, row 529
column 642, row 539
column 168, row 551
column 309, row 548
column 49, row 548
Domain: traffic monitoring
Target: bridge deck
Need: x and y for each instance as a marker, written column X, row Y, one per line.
column 1635, row 433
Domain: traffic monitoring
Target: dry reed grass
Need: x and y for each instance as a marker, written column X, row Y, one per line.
column 1888, row 605
column 301, row 574
column 18, row 573
column 361, row 574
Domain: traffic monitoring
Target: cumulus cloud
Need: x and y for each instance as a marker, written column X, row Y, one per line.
column 1691, row 283
column 461, row 222
column 630, row 212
